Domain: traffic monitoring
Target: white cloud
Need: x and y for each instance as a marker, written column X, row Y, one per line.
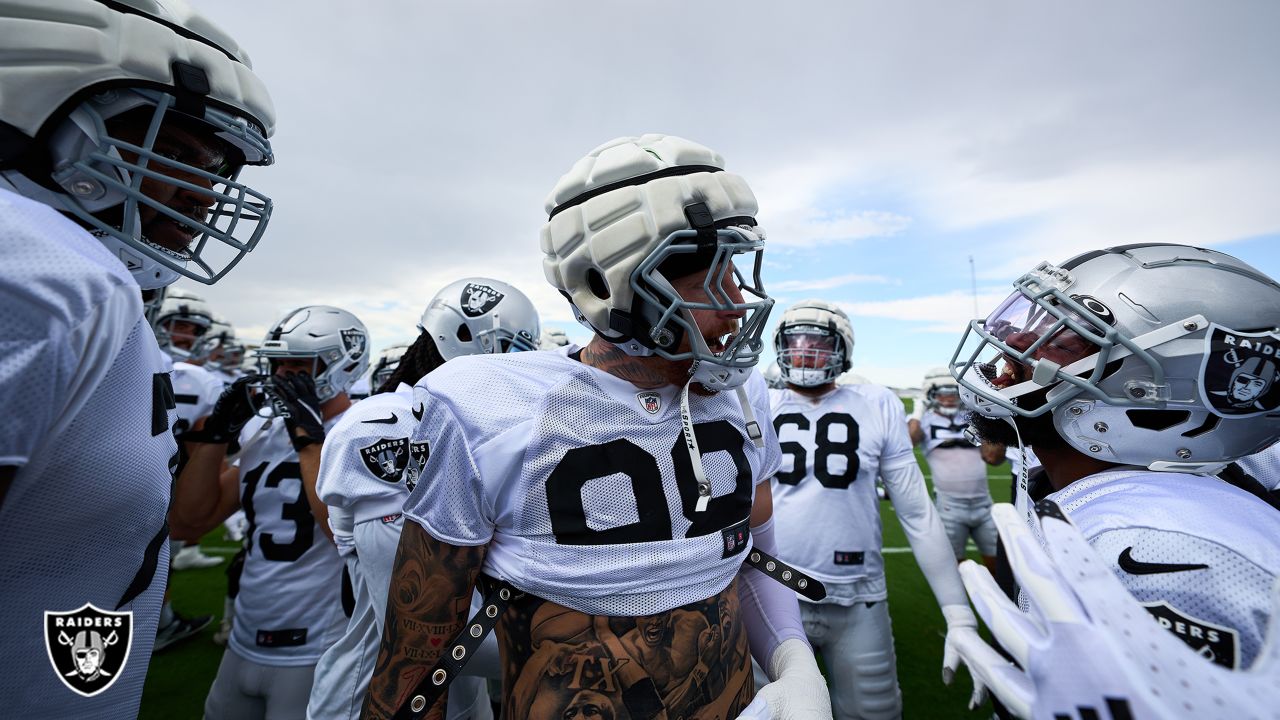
column 945, row 313
column 810, row 228
column 828, row 283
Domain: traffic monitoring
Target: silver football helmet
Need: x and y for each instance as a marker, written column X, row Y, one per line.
column 638, row 212
column 480, row 315
column 220, row 346
column 334, row 339
column 181, row 323
column 105, row 89
column 814, row 343
column 939, row 385
column 388, row 361
column 1154, row 355
column 553, row 338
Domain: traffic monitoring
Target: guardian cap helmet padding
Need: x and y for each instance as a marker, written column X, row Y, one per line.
column 806, row 363
column 334, row 338
column 69, row 68
column 474, row 316
column 1134, row 350
column 633, row 215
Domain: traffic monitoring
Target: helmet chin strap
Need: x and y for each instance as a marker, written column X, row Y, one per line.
column 691, row 439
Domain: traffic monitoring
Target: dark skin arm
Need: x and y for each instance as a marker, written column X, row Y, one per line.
column 427, row 604
column 993, row 452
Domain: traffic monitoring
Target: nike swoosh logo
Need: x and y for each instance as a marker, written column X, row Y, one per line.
column 417, row 411
column 386, row 421
column 1137, row 567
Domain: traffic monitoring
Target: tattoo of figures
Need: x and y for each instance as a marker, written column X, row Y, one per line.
column 427, row 605
column 690, row 662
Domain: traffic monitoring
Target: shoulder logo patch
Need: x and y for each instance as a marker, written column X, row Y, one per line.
column 1214, row 643
column 1240, row 372
column 418, row 454
column 650, row 401
column 478, row 299
column 88, row 647
column 387, row 459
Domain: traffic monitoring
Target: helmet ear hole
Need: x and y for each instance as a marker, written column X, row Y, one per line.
column 464, row 333
column 596, row 283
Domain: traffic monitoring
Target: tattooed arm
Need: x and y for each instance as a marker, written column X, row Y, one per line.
column 427, row 603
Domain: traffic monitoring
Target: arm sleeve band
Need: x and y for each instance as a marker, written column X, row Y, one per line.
column 770, row 610
column 925, row 533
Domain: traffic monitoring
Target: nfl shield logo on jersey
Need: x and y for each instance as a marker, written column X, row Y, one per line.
column 355, row 341
column 1240, row 372
column 88, row 647
column 386, row 459
column 650, row 401
column 478, row 299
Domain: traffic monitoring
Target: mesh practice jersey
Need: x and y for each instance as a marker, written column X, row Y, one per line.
column 1264, row 466
column 955, row 463
column 368, row 464
column 1200, row 554
column 825, row 505
column 289, row 608
column 196, row 390
column 87, row 417
column 581, row 484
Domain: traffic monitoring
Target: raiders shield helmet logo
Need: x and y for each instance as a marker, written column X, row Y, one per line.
column 418, row 454
column 387, row 459
column 478, row 299
column 1214, row 643
column 1240, row 372
column 88, row 647
column 355, row 342
column 650, row 401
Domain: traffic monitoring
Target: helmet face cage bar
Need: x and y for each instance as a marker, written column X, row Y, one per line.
column 807, row 364
column 233, row 203
column 323, row 363
column 745, row 348
column 1043, row 291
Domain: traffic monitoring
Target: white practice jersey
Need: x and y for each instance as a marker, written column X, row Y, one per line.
column 1264, row 466
column 1200, row 554
column 825, row 505
column 289, row 608
column 195, row 390
column 581, row 484
column 87, row 412
column 368, row 463
column 223, row 376
column 955, row 463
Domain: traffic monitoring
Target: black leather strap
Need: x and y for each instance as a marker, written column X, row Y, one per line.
column 809, row 587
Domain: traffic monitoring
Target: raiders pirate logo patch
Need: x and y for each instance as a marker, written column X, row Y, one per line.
column 418, row 454
column 650, row 402
column 1214, row 643
column 387, row 459
column 88, row 647
column 1240, row 372
column 478, row 299
column 355, row 341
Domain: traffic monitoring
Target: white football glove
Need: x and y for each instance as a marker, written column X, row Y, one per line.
column 960, row 624
column 1089, row 648
column 798, row 690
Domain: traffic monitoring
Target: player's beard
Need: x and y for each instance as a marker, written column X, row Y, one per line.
column 1036, row 432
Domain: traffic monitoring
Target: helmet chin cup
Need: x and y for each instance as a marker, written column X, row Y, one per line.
column 977, row 401
column 808, row 377
column 718, row 377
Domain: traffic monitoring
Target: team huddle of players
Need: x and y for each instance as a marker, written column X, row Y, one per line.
column 639, row 527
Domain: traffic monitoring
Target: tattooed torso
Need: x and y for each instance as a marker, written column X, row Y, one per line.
column 688, row 663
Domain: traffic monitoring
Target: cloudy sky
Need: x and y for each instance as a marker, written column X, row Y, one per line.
column 887, row 142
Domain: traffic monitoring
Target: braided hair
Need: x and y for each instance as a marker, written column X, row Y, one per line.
column 421, row 358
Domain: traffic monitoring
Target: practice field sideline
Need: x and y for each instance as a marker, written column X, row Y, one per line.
column 179, row 678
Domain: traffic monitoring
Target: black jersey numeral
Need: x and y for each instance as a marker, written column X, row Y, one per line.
column 298, row 510
column 581, row 465
column 825, row 448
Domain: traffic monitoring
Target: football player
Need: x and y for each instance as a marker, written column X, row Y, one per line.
column 958, row 467
column 836, row 440
column 288, row 609
column 224, row 352
column 1122, row 368
column 610, row 493
column 368, row 468
column 123, row 128
column 386, row 366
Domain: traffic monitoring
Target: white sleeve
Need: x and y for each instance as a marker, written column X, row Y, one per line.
column 925, row 533
column 449, row 501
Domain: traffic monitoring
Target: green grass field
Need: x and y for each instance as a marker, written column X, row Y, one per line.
column 179, row 678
